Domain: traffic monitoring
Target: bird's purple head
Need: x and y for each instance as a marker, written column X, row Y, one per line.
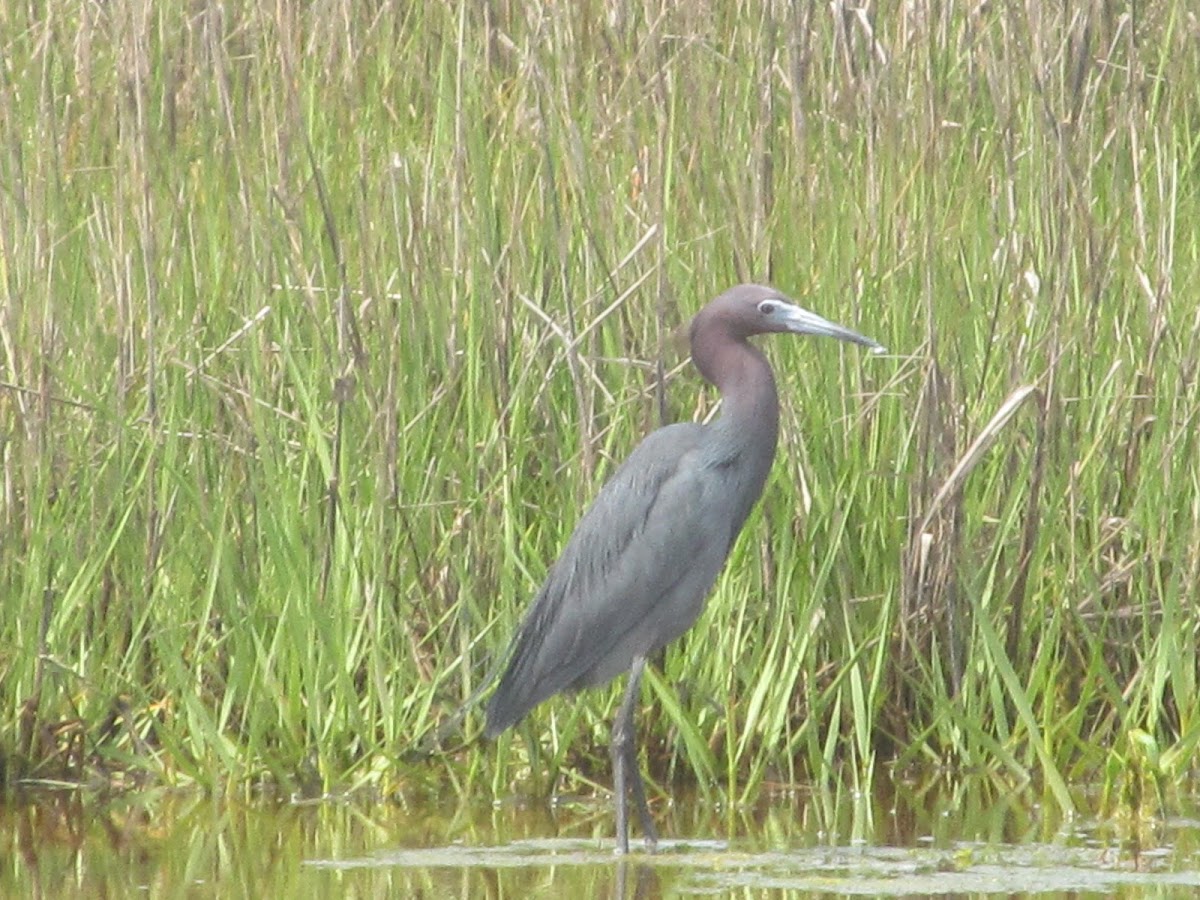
column 750, row 309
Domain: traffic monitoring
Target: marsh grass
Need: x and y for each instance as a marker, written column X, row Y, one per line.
column 320, row 326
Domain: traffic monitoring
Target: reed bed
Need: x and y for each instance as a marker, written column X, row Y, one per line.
column 322, row 323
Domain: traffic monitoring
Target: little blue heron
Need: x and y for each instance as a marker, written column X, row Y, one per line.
column 636, row 571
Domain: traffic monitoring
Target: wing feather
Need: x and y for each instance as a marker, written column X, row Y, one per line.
column 632, row 577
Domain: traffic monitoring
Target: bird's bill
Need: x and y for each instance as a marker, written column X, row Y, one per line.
column 801, row 321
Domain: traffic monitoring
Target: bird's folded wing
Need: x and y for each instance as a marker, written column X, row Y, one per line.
column 632, row 577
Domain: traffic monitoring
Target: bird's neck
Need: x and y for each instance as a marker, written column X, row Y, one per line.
column 749, row 402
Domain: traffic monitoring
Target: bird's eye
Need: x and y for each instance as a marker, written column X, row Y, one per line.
column 768, row 307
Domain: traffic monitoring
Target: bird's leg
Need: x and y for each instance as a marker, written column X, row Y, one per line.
column 625, row 765
column 622, row 740
column 649, row 832
column 618, row 764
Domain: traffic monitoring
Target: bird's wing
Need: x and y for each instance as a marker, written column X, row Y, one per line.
column 633, row 575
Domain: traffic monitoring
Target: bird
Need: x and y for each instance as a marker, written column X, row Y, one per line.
column 641, row 561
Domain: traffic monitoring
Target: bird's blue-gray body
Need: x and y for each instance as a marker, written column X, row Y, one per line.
column 637, row 569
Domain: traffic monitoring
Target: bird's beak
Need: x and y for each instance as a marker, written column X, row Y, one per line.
column 801, row 321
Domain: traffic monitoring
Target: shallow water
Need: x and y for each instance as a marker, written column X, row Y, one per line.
column 938, row 839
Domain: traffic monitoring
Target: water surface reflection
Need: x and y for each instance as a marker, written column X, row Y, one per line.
column 908, row 838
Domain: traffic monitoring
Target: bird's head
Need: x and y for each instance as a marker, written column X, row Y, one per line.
column 750, row 309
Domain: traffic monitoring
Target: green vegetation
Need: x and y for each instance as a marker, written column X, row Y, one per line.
column 321, row 323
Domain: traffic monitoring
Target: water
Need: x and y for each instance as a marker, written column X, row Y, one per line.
column 906, row 840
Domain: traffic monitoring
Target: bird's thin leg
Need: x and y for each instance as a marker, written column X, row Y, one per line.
column 625, row 766
column 649, row 832
column 618, row 764
column 622, row 740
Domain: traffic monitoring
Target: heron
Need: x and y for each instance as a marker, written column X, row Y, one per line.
column 641, row 561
